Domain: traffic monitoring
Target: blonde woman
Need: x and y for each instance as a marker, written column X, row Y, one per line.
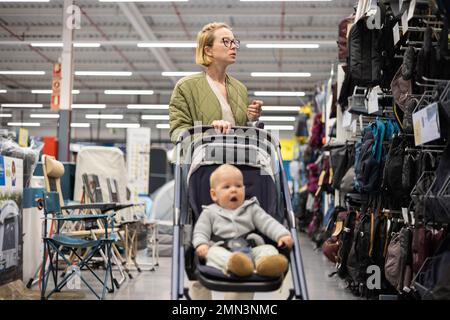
column 212, row 97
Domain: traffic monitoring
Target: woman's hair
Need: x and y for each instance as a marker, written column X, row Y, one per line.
column 205, row 38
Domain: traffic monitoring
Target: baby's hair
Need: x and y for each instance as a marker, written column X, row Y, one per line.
column 220, row 169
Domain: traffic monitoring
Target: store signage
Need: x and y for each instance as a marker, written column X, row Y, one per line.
column 56, row 87
column 426, row 124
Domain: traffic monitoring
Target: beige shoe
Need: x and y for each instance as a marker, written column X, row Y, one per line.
column 240, row 265
column 272, row 266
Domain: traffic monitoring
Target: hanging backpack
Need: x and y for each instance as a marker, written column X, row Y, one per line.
column 317, row 132
column 346, row 240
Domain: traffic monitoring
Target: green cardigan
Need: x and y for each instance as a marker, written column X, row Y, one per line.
column 193, row 100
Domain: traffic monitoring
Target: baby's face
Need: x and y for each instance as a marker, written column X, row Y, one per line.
column 229, row 192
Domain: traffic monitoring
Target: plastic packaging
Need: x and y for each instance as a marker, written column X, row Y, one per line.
column 30, row 156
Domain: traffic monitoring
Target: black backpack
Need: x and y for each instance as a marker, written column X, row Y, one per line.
column 346, row 238
column 393, row 173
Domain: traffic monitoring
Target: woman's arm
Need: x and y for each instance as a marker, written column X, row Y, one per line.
column 179, row 114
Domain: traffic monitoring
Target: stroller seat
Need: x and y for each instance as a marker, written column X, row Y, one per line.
column 257, row 184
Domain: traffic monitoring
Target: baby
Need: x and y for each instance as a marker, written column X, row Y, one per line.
column 230, row 217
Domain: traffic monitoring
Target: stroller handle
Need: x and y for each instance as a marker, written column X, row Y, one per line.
column 203, row 128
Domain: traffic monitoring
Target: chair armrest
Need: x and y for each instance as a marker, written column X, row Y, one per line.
column 78, row 217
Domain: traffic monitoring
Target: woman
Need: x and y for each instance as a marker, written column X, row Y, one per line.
column 212, row 97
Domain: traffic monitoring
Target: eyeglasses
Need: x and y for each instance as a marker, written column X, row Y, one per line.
column 227, row 43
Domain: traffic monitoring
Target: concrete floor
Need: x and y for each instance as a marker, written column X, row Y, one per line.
column 155, row 285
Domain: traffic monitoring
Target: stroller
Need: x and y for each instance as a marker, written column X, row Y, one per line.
column 200, row 150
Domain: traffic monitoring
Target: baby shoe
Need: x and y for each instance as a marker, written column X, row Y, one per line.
column 240, row 265
column 272, row 266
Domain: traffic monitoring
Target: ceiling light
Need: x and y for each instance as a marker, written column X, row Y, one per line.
column 138, row 92
column 163, row 126
column 88, row 106
column 148, row 106
column 43, row 91
column 24, row 1
column 104, row 73
column 167, row 45
column 5, row 115
column 22, row 105
column 47, row 44
column 281, row 74
column 24, row 124
column 143, row 0
column 105, row 116
column 20, row 72
column 80, row 125
column 275, row 118
column 280, row 93
column 155, row 117
column 285, row 0
column 177, row 73
column 280, row 108
column 282, row 45
column 44, row 115
column 123, row 125
column 280, row 128
column 86, row 44
column 60, row 44
column 3, row 91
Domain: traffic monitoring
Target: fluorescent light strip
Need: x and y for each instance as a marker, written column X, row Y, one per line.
column 24, row 124
column 167, row 45
column 281, row 108
column 136, row 92
column 22, row 105
column 88, row 106
column 42, row 91
column 143, row 0
column 5, row 115
column 80, row 125
column 3, row 91
column 123, row 125
column 280, row 93
column 60, row 44
column 286, row 0
column 104, row 73
column 155, row 117
column 282, row 45
column 281, row 74
column 21, row 72
column 280, row 128
column 105, row 116
column 275, row 118
column 148, row 106
column 1, row 1
column 162, row 126
column 177, row 73
column 44, row 115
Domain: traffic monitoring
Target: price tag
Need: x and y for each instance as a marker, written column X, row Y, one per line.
column 346, row 119
column 373, row 101
column 396, row 33
column 412, row 7
column 426, row 124
column 405, row 22
column 354, row 126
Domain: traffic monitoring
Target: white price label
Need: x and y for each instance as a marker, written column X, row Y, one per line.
column 373, row 101
column 405, row 22
column 346, row 119
column 412, row 7
column 396, row 33
column 426, row 124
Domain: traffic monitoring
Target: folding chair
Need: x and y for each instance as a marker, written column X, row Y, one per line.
column 130, row 238
column 92, row 193
column 58, row 245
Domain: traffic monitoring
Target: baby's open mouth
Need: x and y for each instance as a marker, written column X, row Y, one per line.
column 233, row 199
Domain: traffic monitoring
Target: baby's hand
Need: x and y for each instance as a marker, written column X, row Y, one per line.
column 287, row 241
column 202, row 250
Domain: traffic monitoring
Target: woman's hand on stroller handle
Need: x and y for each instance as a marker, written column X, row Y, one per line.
column 285, row 241
column 202, row 250
column 222, row 126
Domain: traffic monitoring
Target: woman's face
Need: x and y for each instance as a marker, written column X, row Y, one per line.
column 220, row 53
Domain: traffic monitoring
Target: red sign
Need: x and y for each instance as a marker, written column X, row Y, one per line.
column 56, row 87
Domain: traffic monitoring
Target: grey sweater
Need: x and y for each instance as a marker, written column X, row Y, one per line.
column 229, row 224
